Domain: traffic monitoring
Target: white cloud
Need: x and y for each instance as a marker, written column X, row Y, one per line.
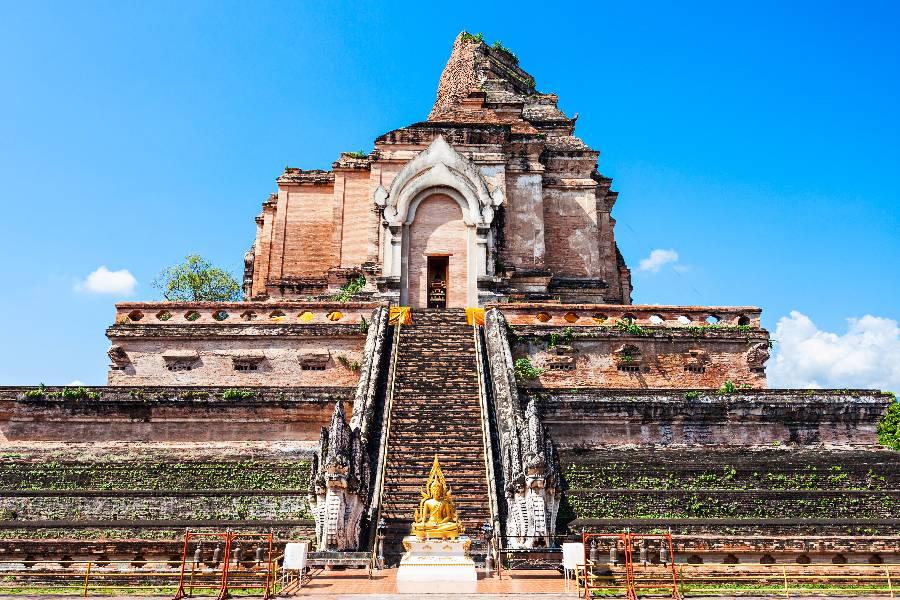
column 104, row 281
column 75, row 383
column 657, row 259
column 866, row 356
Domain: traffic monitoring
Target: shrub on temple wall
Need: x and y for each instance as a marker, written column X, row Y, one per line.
column 889, row 427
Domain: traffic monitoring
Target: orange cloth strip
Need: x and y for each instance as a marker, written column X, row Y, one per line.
column 401, row 315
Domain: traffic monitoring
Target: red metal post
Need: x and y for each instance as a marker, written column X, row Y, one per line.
column 226, row 559
column 267, row 594
column 179, row 593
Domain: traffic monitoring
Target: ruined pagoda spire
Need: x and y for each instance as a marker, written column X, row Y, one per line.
column 476, row 70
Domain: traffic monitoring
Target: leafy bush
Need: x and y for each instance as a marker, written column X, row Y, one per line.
column 358, row 154
column 468, row 37
column 196, row 280
column 67, row 393
column 498, row 45
column 727, row 388
column 350, row 365
column 525, row 370
column 691, row 395
column 38, row 392
column 889, row 427
column 631, row 328
column 233, row 394
column 77, row 393
column 350, row 289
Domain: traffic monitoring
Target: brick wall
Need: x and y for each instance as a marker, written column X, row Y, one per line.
column 168, row 414
column 660, row 363
column 594, row 417
column 570, row 233
column 215, row 362
column 139, row 497
column 356, row 218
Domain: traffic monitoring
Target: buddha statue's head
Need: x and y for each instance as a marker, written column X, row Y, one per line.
column 436, row 489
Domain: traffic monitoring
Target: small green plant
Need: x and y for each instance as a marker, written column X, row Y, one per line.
column 36, row 393
column 631, row 328
column 357, row 154
column 350, row 365
column 468, row 37
column 555, row 339
column 235, row 394
column 350, row 289
column 78, row 393
column 889, row 427
column 67, row 393
column 194, row 395
column 363, row 326
column 691, row 395
column 525, row 370
column 730, row 387
column 498, row 45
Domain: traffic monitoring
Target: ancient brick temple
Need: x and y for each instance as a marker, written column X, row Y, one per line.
column 314, row 408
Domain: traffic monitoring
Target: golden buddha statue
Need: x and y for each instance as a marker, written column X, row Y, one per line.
column 436, row 515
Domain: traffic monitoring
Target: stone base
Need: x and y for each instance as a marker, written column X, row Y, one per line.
column 437, row 560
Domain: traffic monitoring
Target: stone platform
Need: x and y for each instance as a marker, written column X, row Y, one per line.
column 428, row 561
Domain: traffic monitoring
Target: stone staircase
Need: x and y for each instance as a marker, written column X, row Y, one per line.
column 436, row 410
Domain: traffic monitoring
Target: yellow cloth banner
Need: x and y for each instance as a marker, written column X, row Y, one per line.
column 400, row 315
column 475, row 316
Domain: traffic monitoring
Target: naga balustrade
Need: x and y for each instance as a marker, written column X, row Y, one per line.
column 247, row 313
column 565, row 315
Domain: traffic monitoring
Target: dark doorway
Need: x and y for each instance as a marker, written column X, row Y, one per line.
column 437, row 281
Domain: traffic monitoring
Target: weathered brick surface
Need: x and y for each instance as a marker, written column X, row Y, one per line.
column 596, row 417
column 186, row 414
column 545, row 179
column 208, row 343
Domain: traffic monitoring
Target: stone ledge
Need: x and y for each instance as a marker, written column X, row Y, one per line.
column 152, row 524
column 120, row 493
column 180, row 395
column 711, row 396
column 203, row 331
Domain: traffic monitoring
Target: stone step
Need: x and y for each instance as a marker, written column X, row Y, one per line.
column 436, row 409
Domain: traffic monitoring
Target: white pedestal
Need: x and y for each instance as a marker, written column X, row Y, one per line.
column 437, row 560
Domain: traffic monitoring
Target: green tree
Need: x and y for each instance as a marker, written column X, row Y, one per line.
column 196, row 280
column 889, row 427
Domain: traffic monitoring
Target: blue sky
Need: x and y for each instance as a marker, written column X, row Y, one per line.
column 758, row 141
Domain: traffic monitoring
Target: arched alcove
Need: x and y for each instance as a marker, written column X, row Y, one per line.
column 437, row 255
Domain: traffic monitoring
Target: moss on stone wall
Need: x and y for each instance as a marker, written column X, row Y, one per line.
column 727, row 477
column 595, row 504
column 155, row 475
column 117, row 506
column 299, row 532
